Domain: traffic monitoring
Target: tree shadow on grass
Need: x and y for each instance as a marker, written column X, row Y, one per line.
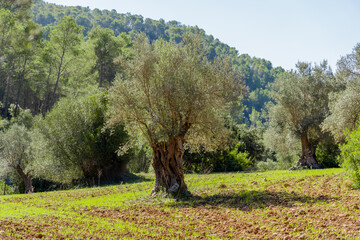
column 42, row 185
column 248, row 200
column 133, row 178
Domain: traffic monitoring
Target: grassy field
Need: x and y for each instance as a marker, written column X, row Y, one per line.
column 309, row 204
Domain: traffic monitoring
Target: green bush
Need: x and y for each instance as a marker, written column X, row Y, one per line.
column 268, row 165
column 350, row 155
column 229, row 160
column 327, row 154
column 73, row 143
column 287, row 160
column 8, row 189
column 248, row 149
column 240, row 160
column 141, row 160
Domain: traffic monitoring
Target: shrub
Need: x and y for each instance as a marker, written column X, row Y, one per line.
column 268, row 165
column 244, row 149
column 287, row 160
column 327, row 154
column 350, row 155
column 240, row 160
column 229, row 160
column 5, row 186
column 141, row 160
column 73, row 144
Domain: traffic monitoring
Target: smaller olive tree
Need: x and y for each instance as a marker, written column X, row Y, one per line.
column 301, row 105
column 15, row 153
column 345, row 103
column 173, row 97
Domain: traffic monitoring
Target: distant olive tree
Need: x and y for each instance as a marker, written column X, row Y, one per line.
column 345, row 104
column 301, row 105
column 173, row 97
column 16, row 155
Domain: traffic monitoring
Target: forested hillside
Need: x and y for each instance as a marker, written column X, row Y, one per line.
column 26, row 89
column 256, row 72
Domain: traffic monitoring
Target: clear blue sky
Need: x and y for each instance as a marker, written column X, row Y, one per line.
column 282, row 31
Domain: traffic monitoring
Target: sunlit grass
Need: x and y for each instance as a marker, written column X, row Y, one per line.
column 272, row 204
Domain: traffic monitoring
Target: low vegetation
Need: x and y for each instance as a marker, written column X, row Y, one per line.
column 306, row 204
column 85, row 93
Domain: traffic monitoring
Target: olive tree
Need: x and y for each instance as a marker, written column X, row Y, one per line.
column 173, row 97
column 345, row 104
column 301, row 105
column 15, row 153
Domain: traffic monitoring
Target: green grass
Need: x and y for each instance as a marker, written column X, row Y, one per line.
column 306, row 204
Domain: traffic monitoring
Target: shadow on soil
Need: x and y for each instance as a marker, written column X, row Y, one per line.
column 248, row 200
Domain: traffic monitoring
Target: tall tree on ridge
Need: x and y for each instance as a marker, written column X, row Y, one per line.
column 63, row 47
column 107, row 48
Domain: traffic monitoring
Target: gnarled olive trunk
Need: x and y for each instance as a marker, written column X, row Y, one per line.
column 168, row 167
column 26, row 178
column 307, row 158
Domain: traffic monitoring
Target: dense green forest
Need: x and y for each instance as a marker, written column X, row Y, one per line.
column 87, row 94
column 256, row 72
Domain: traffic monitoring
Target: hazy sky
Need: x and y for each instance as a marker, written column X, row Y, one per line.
column 282, row 31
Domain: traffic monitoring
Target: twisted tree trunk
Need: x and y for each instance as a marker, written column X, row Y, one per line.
column 167, row 163
column 307, row 158
column 26, row 178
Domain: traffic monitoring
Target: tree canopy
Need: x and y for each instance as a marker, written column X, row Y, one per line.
column 71, row 140
column 301, row 105
column 172, row 96
column 345, row 102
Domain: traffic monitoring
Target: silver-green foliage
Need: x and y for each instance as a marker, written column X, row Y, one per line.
column 266, row 165
column 301, row 105
column 169, row 87
column 63, row 139
column 345, row 105
column 15, row 150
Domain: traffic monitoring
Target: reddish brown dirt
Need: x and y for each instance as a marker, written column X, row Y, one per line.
column 308, row 208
